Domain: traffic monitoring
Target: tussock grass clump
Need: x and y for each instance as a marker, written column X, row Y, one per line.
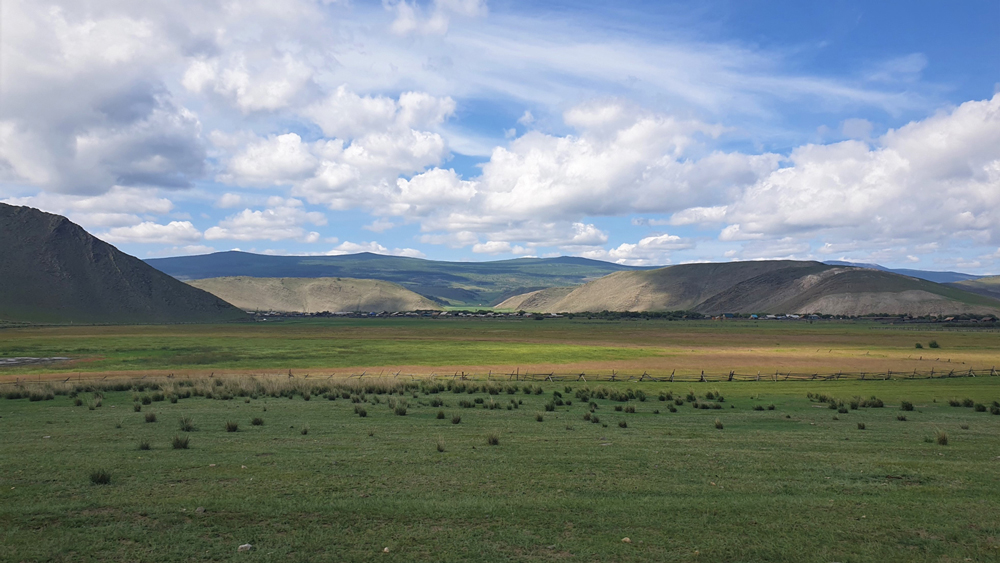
column 257, row 421
column 550, row 406
column 623, row 424
column 941, row 437
column 933, row 344
column 436, row 402
column 186, row 424
column 842, row 410
column 136, row 407
column 861, row 426
column 671, row 408
column 539, row 417
column 360, row 411
column 901, row 417
column 180, row 442
column 954, row 403
column 595, row 419
column 718, row 424
column 630, row 409
column 150, row 417
column 440, row 445
column 440, row 415
column 758, row 407
column 100, row 477
column 586, row 416
column 232, row 426
column 618, row 408
column 964, row 426
column 968, row 403
column 979, row 407
column 305, row 430
column 400, row 409
column 146, row 400
column 78, row 402
column 905, row 406
column 465, row 404
column 456, row 419
column 144, row 445
column 493, row 439
column 918, row 346
column 994, row 410
column 770, row 407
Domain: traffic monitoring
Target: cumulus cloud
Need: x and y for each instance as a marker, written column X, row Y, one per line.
column 118, row 207
column 283, row 219
column 174, row 233
column 348, row 247
column 411, row 18
column 652, row 250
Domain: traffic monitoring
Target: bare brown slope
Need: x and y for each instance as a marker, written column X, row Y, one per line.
column 53, row 271
column 770, row 287
column 540, row 300
column 314, row 295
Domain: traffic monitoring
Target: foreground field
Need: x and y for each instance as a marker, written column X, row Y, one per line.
column 316, row 481
column 323, row 347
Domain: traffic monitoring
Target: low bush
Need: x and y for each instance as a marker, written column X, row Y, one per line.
column 257, row 421
column 622, row 424
column 232, row 426
column 135, row 407
column 941, row 437
column 906, row 406
column 718, row 424
column 979, row 407
column 933, row 344
column 180, row 442
column 861, row 426
column 440, row 415
column 150, row 417
column 186, row 424
column 305, row 430
column 100, row 477
column 493, row 439
column 144, row 445
column 456, row 419
column 539, row 417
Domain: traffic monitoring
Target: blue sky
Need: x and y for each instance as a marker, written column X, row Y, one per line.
column 637, row 132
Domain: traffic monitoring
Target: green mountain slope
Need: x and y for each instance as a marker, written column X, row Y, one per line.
column 467, row 284
column 53, row 271
column 766, row 287
column 988, row 286
column 314, row 295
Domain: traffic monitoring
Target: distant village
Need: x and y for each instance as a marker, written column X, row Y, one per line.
column 967, row 320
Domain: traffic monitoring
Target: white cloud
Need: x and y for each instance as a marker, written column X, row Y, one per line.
column 174, row 233
column 379, row 225
column 652, row 250
column 282, row 220
column 410, row 16
column 348, row 247
column 492, row 247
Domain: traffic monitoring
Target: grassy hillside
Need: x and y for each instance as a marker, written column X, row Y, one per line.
column 988, row 286
column 767, row 287
column 55, row 272
column 469, row 284
column 314, row 295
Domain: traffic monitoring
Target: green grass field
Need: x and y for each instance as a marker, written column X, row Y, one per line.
column 325, row 346
column 798, row 483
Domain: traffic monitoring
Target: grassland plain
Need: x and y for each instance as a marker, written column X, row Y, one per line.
column 316, row 481
column 424, row 346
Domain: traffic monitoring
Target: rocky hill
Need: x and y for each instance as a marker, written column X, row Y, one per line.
column 53, row 271
column 314, row 295
column 773, row 286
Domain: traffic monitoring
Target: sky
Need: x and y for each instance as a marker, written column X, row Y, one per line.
column 644, row 133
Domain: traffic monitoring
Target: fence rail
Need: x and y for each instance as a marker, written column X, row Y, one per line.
column 517, row 375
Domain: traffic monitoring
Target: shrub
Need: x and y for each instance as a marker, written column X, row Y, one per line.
column 257, row 421
column 968, row 403
column 436, row 402
column 144, row 445
column 100, row 477
column 618, row 408
column 361, row 412
column 964, row 426
column 173, row 399
column 623, row 424
column 147, row 400
column 586, row 415
column 630, row 409
column 538, row 391
column 678, row 401
column 933, row 344
column 78, row 401
column 440, row 445
column 954, row 403
column 465, row 404
column 758, row 407
column 770, row 407
column 980, row 407
column 594, row 419
column 901, row 417
column 671, row 408
column 400, row 410
column 718, row 424
column 456, row 419
column 150, row 417
column 305, row 430
column 180, row 443
column 855, row 405
column 136, row 407
column 232, row 426
column 906, row 406
column 186, row 424
column 550, row 406
column 994, row 410
column 861, row 426
column 493, row 439
column 440, row 415
column 941, row 437
column 919, row 346
column 842, row 410
column 539, row 417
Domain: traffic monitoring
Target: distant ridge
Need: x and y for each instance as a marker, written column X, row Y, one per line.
column 465, row 284
column 929, row 275
column 53, row 271
column 314, row 295
column 770, row 286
